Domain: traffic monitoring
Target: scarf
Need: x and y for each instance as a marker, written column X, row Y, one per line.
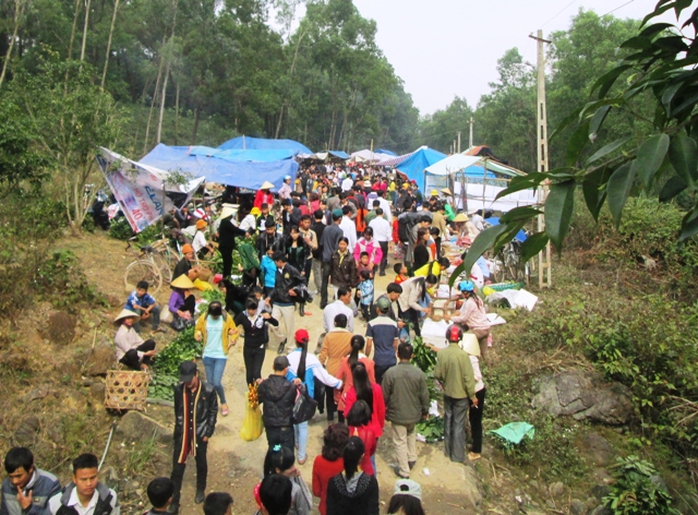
column 188, row 439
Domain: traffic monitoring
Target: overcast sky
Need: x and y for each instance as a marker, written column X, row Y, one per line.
column 447, row 48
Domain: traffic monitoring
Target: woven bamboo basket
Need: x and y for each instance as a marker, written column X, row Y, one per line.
column 126, row 389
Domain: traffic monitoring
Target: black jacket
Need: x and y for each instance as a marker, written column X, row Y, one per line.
column 288, row 278
column 364, row 499
column 206, row 412
column 103, row 506
column 227, row 232
column 257, row 332
column 266, row 242
column 299, row 255
column 343, row 274
column 319, row 228
column 278, row 395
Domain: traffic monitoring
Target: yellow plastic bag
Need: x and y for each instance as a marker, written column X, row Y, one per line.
column 252, row 424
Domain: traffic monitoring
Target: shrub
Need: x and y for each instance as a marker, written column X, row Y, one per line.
column 638, row 489
column 120, row 229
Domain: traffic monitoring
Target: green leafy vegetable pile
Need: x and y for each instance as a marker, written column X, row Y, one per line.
column 166, row 363
column 432, row 430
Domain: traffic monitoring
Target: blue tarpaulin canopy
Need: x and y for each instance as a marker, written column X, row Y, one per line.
column 247, row 143
column 339, row 153
column 250, row 155
column 230, row 170
column 413, row 167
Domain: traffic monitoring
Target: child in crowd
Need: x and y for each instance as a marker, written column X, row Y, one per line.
column 257, row 294
column 268, row 271
column 160, row 492
column 281, row 460
column 141, row 302
column 400, row 273
column 366, row 293
column 364, row 265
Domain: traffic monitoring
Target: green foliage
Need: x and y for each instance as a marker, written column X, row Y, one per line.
column 432, row 429
column 60, row 280
column 120, row 229
column 166, row 363
column 638, row 489
column 423, row 357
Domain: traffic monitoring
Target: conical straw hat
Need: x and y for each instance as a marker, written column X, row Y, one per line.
column 182, row 282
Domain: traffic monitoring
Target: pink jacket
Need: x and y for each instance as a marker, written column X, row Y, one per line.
column 375, row 253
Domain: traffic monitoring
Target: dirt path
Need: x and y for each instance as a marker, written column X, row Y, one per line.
column 235, row 466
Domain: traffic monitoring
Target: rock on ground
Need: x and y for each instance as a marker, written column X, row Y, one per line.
column 584, row 395
column 137, row 427
column 60, row 328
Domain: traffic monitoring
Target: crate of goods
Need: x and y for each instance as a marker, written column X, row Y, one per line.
column 126, row 389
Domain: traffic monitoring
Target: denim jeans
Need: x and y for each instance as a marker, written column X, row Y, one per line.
column 214, row 375
column 455, row 411
column 300, row 433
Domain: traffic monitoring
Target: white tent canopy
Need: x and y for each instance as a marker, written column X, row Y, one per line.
column 366, row 156
column 459, row 162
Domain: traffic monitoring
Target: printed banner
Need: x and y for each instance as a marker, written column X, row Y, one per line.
column 141, row 190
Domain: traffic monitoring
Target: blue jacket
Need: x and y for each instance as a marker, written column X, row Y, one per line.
column 269, row 271
column 43, row 486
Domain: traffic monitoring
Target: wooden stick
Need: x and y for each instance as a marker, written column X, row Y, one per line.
column 94, row 339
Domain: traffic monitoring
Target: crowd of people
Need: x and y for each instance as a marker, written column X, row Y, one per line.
column 340, row 226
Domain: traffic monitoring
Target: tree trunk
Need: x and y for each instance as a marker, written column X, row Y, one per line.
column 155, row 96
column 111, row 33
column 19, row 10
column 162, row 101
column 196, row 125
column 84, row 30
column 176, row 134
column 75, row 27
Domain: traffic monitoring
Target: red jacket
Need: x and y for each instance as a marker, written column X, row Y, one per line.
column 323, row 471
column 263, row 198
column 370, row 443
column 378, row 417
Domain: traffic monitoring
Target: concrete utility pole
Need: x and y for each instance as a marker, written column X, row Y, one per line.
column 459, row 142
column 544, row 258
column 470, row 141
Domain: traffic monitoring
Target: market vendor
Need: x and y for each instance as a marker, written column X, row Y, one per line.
column 472, row 315
column 185, row 267
column 131, row 350
column 264, row 195
column 181, row 304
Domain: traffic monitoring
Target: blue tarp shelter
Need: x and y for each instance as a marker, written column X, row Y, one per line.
column 247, row 143
column 339, row 153
column 238, row 169
column 413, row 167
column 386, row 151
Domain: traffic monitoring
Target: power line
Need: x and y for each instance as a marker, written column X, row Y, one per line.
column 558, row 14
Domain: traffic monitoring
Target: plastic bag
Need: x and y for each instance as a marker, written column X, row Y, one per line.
column 252, row 426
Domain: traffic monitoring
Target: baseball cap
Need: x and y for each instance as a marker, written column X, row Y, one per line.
column 408, row 487
column 187, row 371
column 383, row 303
column 302, row 336
column 281, row 363
column 337, row 212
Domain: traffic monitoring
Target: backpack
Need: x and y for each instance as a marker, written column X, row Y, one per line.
column 405, row 224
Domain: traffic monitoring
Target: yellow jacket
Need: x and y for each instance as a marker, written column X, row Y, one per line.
column 228, row 325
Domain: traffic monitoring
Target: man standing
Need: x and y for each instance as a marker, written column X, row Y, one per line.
column 196, row 409
column 283, row 297
column 318, row 228
column 385, row 206
column 424, row 222
column 348, row 228
column 392, row 295
column 406, row 397
column 278, row 395
column 269, row 239
column 383, row 332
column 382, row 233
column 85, row 495
column 339, row 307
column 311, row 239
column 26, row 489
column 455, row 372
column 329, row 243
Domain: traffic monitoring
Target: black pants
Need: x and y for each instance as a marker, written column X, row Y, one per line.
column 319, row 395
column 131, row 360
column 254, row 359
column 332, row 407
column 325, row 284
column 455, row 411
column 178, row 469
column 280, row 436
column 414, row 317
column 380, row 372
column 475, row 418
column 384, row 261
column 227, row 255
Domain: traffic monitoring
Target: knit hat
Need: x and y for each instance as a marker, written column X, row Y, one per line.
column 187, row 248
column 201, row 224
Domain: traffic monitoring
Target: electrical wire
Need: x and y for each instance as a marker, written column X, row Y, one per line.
column 558, row 14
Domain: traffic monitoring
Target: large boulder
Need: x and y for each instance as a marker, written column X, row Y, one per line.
column 60, row 328
column 101, row 359
column 584, row 395
column 137, row 427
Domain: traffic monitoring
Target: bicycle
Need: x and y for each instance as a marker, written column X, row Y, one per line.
column 152, row 264
column 508, row 265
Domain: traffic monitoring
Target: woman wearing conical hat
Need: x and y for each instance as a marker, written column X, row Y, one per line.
column 131, row 350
